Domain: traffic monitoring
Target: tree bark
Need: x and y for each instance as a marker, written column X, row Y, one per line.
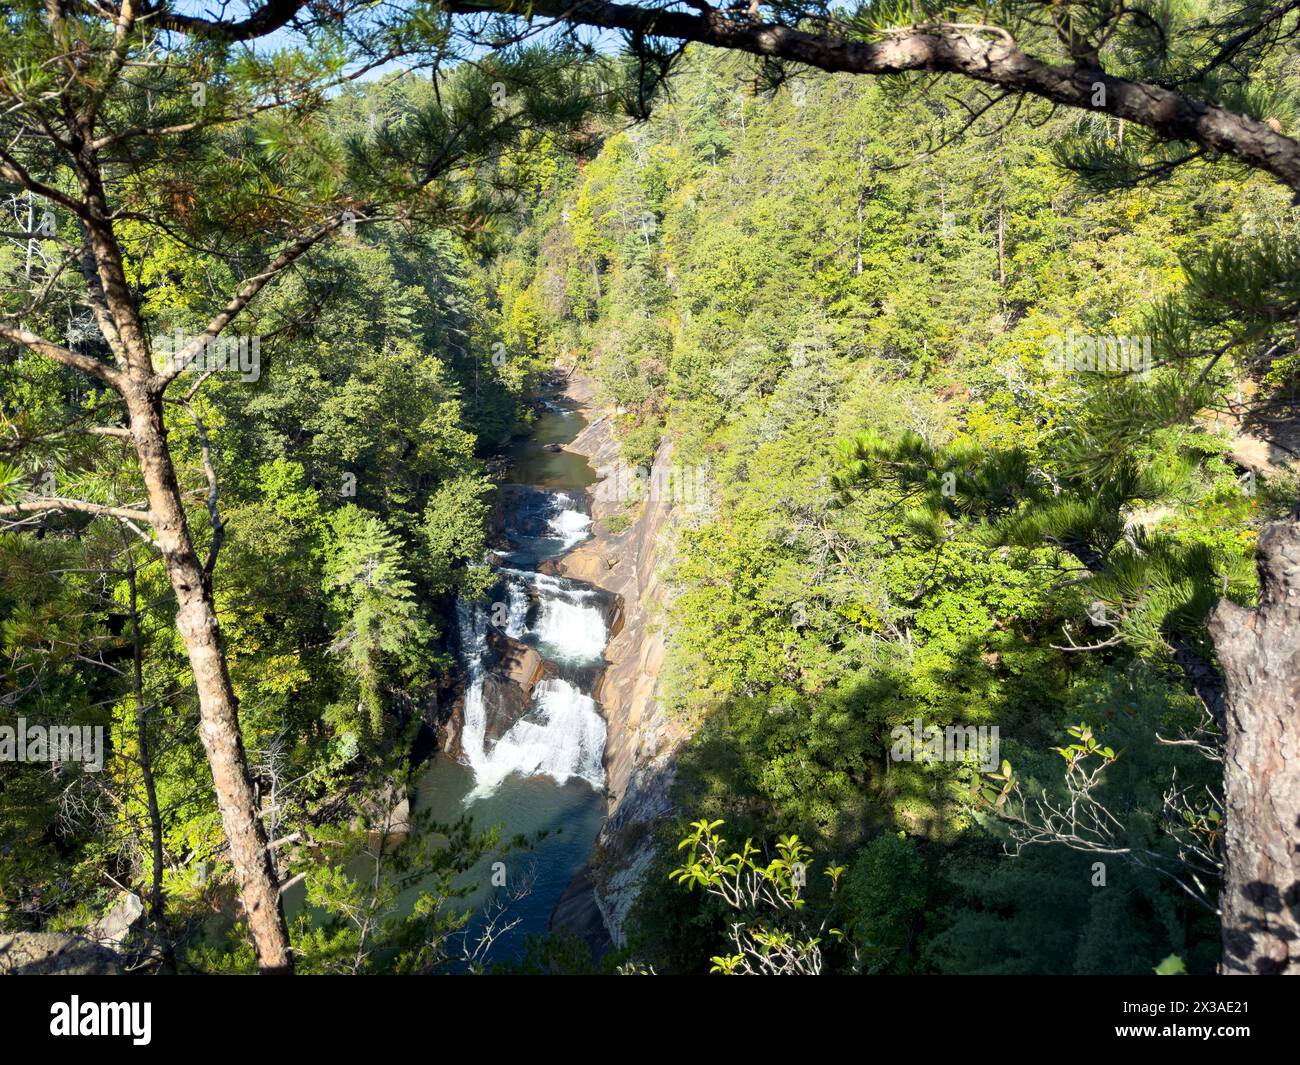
column 196, row 620
column 196, row 616
column 1259, row 651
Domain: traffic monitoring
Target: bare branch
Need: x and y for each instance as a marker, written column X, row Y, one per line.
column 60, row 503
column 76, row 360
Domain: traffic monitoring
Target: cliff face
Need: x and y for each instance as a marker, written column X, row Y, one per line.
column 642, row 737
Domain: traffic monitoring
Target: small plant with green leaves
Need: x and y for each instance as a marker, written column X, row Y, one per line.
column 771, row 935
column 1075, row 754
column 1081, row 820
column 618, row 522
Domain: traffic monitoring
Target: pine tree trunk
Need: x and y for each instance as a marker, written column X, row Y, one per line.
column 196, row 620
column 196, row 615
column 1259, row 651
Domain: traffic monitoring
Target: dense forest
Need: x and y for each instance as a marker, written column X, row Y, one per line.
column 884, row 314
column 978, row 624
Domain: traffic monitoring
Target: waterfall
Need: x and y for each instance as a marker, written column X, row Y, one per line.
column 471, row 622
column 570, row 627
column 518, row 606
column 561, row 734
column 568, row 524
column 570, row 631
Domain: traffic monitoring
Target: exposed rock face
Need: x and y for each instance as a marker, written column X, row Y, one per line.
column 508, row 688
column 642, row 737
column 449, row 731
column 578, row 914
column 104, row 949
column 53, row 953
column 115, row 926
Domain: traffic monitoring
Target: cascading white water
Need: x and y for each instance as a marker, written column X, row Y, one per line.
column 544, row 582
column 561, row 735
column 518, row 607
column 570, row 626
column 571, row 632
column 472, row 625
column 569, row 524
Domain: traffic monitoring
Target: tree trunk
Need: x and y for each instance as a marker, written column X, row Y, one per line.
column 1260, row 653
column 157, row 914
column 196, row 620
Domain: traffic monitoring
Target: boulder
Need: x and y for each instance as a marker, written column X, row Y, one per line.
column 587, row 562
column 389, row 806
column 516, row 660
column 56, row 954
column 508, row 687
column 115, row 926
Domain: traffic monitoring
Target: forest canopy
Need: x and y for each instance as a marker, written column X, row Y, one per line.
column 978, row 324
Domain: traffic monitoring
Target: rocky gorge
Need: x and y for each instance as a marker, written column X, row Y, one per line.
column 575, row 629
column 629, row 560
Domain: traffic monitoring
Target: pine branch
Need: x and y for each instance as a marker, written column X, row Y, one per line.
column 982, row 52
column 244, row 295
column 79, row 506
column 75, row 359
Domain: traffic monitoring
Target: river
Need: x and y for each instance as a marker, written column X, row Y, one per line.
column 540, row 773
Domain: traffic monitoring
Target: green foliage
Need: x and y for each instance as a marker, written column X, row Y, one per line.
column 913, row 512
column 453, row 530
column 1171, row 966
column 886, row 892
column 384, row 903
column 381, row 632
column 771, row 935
column 352, row 484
